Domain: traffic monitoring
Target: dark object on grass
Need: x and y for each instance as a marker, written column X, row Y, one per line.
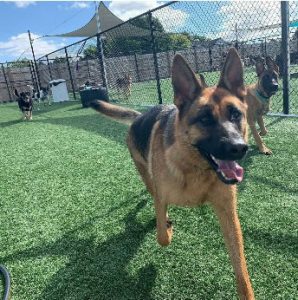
column 90, row 95
column 6, row 276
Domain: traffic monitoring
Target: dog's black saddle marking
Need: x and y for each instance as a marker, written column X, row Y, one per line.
column 142, row 127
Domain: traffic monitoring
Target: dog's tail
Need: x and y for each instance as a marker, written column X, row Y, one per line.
column 118, row 113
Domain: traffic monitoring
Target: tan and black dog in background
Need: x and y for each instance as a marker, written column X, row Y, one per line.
column 124, row 85
column 186, row 153
column 25, row 103
column 258, row 99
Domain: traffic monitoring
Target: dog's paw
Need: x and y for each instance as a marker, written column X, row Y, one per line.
column 164, row 237
column 266, row 151
column 169, row 224
column 263, row 133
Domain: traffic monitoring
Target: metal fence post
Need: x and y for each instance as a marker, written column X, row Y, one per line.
column 35, row 66
column 88, row 69
column 210, row 58
column 137, row 67
column 101, row 59
column 169, row 63
column 195, row 57
column 285, row 54
column 49, row 68
column 33, row 75
column 6, row 82
column 153, row 43
column 70, row 74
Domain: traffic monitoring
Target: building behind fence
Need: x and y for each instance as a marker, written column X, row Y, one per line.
column 140, row 60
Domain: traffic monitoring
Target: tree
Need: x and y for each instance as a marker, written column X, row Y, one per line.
column 59, row 60
column 24, row 62
column 143, row 22
column 90, row 52
column 200, row 38
column 173, row 41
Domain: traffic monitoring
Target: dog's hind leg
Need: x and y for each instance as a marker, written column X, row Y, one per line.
column 163, row 224
column 230, row 225
column 262, row 126
column 145, row 176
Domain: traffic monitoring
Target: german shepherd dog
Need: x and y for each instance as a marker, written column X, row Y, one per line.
column 124, row 85
column 258, row 99
column 186, row 153
column 41, row 96
column 25, row 103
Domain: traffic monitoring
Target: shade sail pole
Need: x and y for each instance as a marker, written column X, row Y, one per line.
column 100, row 53
column 97, row 17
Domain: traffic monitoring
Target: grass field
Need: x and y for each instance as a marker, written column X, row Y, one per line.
column 77, row 223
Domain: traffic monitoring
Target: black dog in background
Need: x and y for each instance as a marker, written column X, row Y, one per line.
column 25, row 103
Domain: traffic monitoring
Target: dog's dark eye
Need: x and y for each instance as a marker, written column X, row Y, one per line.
column 203, row 120
column 235, row 114
column 206, row 120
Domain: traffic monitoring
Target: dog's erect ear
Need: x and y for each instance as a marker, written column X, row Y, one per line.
column 260, row 66
column 16, row 92
column 231, row 77
column 186, row 85
column 272, row 66
column 203, row 81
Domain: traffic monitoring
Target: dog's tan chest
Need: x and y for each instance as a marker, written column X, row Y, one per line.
column 183, row 189
column 193, row 192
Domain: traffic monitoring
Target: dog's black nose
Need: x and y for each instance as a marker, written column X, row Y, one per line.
column 235, row 150
column 274, row 87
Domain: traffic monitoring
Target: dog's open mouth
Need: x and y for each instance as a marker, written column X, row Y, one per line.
column 228, row 171
column 273, row 92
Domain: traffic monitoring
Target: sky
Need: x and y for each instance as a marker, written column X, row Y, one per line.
column 212, row 19
column 50, row 17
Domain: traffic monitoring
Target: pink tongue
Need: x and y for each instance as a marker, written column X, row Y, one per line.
column 231, row 169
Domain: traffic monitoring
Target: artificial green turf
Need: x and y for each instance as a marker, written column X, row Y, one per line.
column 77, row 223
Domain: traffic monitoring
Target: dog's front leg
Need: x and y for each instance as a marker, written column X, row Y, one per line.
column 230, row 225
column 260, row 143
column 262, row 126
column 163, row 224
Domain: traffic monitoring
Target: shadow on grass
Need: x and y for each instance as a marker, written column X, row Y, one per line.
column 272, row 241
column 43, row 110
column 92, row 123
column 274, row 184
column 276, row 120
column 76, row 108
column 11, row 123
column 245, row 163
column 98, row 271
column 50, row 108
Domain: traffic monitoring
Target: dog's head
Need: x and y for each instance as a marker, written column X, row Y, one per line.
column 24, row 96
column 212, row 120
column 267, row 72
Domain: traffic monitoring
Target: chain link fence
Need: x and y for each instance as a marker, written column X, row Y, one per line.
column 15, row 75
column 293, row 83
column 133, row 60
